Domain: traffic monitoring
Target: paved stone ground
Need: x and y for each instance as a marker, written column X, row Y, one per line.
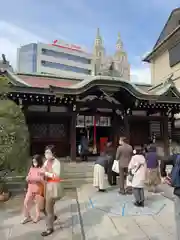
column 103, row 216
column 66, row 227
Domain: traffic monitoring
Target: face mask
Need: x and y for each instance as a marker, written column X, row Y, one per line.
column 35, row 164
column 48, row 156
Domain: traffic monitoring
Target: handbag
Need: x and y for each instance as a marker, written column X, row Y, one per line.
column 41, row 189
column 131, row 175
column 115, row 166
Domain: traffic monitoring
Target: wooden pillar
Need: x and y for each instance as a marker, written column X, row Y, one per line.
column 127, row 128
column 165, row 136
column 115, row 128
column 73, row 137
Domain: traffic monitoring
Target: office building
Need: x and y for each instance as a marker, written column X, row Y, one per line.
column 58, row 58
column 69, row 60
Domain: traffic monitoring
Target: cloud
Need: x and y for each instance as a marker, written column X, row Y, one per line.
column 12, row 37
column 141, row 74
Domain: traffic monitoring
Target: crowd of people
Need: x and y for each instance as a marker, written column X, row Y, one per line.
column 137, row 168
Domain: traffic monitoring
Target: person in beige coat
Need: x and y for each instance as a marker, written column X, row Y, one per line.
column 123, row 155
column 52, row 172
column 137, row 173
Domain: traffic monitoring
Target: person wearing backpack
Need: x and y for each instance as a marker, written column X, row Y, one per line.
column 137, row 176
column 175, row 182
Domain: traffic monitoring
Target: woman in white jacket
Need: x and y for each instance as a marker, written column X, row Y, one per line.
column 52, row 172
column 137, row 176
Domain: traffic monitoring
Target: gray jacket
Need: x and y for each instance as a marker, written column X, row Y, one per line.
column 102, row 160
column 124, row 154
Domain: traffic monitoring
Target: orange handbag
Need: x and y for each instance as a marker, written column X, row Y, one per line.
column 41, row 189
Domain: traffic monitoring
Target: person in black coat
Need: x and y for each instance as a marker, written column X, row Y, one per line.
column 110, row 152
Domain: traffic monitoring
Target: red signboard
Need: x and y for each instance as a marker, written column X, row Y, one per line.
column 69, row 46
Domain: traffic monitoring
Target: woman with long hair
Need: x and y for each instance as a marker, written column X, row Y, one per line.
column 35, row 190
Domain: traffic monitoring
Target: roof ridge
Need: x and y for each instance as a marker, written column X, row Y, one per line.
column 50, row 76
column 16, row 78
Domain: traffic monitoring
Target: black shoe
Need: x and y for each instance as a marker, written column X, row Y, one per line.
column 47, row 232
column 122, row 192
column 114, row 184
column 102, row 190
column 55, row 218
column 137, row 204
column 141, row 204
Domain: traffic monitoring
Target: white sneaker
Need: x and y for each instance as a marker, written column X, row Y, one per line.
column 26, row 220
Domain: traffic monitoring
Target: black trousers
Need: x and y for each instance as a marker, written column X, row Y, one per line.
column 84, row 156
column 111, row 175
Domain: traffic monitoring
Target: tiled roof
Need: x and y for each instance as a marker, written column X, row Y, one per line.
column 45, row 82
column 42, row 81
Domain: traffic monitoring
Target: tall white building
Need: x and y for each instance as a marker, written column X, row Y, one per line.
column 59, row 58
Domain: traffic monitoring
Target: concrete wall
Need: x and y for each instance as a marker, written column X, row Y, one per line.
column 160, row 69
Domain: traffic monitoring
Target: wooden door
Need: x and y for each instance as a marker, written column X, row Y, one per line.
column 139, row 132
column 57, row 134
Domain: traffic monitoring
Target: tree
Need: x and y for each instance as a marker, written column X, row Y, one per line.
column 14, row 135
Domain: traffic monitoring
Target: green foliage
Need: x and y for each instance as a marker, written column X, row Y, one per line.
column 3, row 187
column 4, row 85
column 14, row 136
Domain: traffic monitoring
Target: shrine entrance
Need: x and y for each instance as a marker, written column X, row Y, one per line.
column 97, row 131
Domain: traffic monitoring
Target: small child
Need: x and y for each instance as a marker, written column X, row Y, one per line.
column 34, row 191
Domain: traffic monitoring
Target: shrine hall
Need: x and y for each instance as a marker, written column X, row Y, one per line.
column 102, row 107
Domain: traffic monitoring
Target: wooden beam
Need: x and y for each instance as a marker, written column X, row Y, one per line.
column 145, row 118
column 99, row 104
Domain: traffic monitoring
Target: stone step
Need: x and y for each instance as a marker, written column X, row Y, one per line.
column 74, row 174
column 68, row 183
column 78, row 170
column 77, row 175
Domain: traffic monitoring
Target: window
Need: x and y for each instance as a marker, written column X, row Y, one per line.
column 65, row 67
column 174, row 55
column 63, row 55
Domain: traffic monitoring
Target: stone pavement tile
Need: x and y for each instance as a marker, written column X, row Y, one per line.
column 167, row 222
column 127, row 227
column 97, row 224
column 119, row 237
column 123, row 205
column 66, row 212
column 152, row 228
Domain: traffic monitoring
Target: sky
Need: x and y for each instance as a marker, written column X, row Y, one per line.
column 138, row 21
